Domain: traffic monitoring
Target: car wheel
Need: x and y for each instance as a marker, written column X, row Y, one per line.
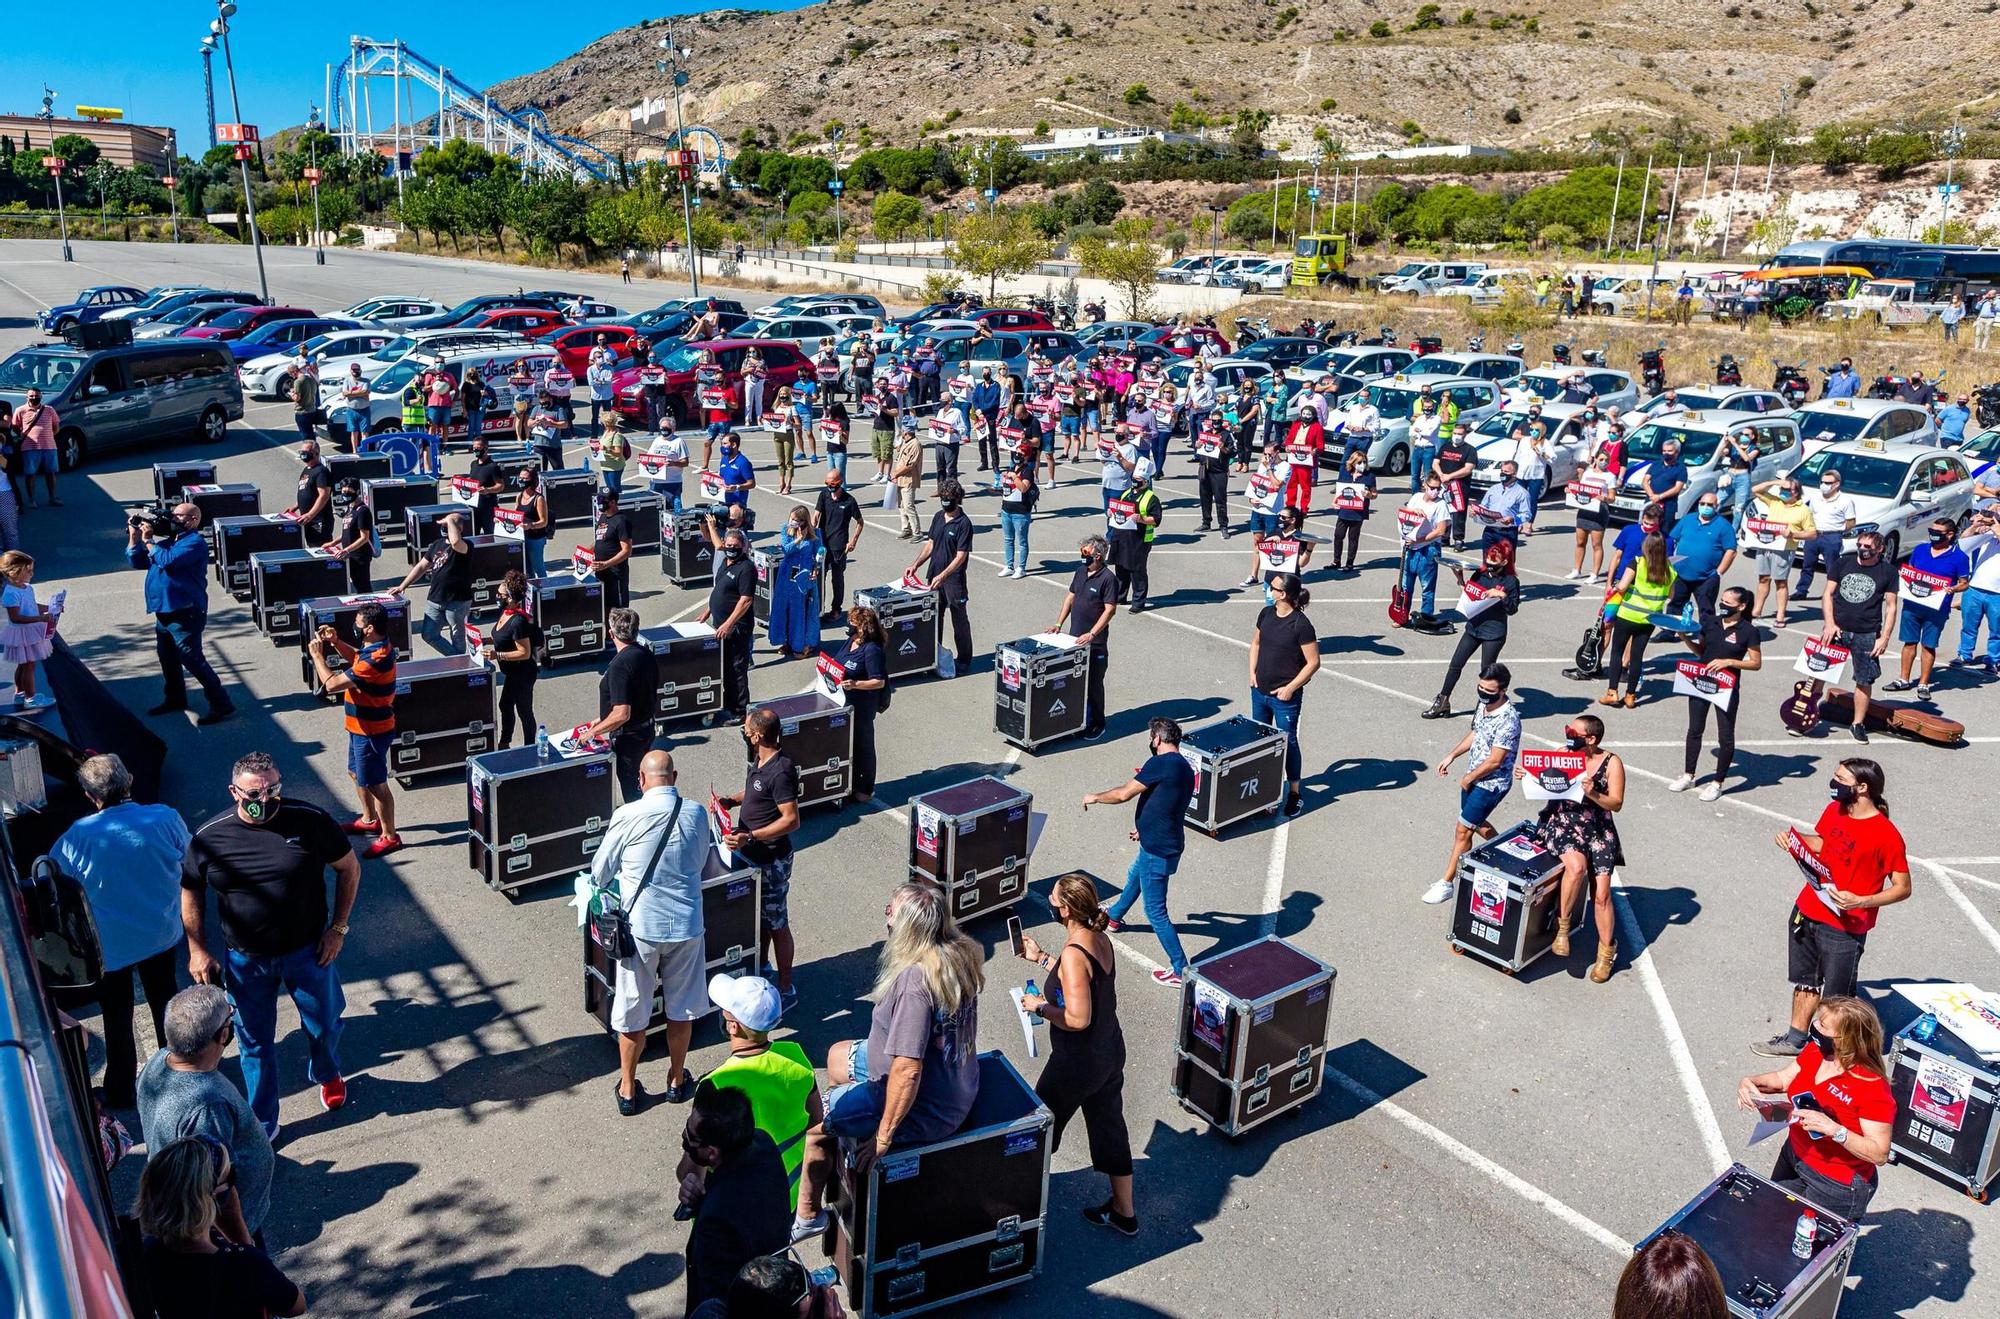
column 214, row 424
column 71, row 449
column 63, row 326
column 1398, row 463
column 1892, row 546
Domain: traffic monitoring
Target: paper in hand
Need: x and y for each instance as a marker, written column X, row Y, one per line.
column 1027, row 1024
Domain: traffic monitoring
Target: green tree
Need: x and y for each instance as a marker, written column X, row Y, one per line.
column 1128, row 262
column 1432, row 214
column 1558, row 236
column 1837, row 147
column 482, row 207
column 612, row 222
column 1428, row 17
column 80, row 152
column 897, row 215
column 1581, row 199
column 548, row 212
column 1895, row 154
column 990, row 245
column 1137, row 95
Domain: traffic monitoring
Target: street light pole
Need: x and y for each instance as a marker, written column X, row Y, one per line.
column 677, row 77
column 1954, row 142
column 173, row 183
column 312, row 177
column 226, row 10
column 55, row 170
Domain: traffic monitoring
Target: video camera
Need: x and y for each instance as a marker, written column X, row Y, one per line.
column 154, row 519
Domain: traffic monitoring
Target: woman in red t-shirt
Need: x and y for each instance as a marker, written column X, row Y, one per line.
column 1303, row 447
column 1841, row 1109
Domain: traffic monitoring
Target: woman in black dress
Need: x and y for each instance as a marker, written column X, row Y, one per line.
column 1584, row 834
column 866, row 668
column 1486, row 629
column 201, row 1262
column 1086, row 1044
column 514, row 650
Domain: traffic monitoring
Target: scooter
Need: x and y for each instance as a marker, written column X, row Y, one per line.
column 1251, row 329
column 1790, row 381
column 1559, row 351
column 1986, row 404
column 1653, row 369
column 1094, row 311
column 1888, row 384
column 1425, row 344
column 1728, row 371
column 1475, row 343
column 1596, row 356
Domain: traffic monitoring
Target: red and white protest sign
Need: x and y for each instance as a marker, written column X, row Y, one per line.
column 475, row 640
column 1065, row 392
column 829, row 429
column 1487, row 515
column 1692, row 678
column 582, row 562
column 715, row 400
column 1941, row 1093
column 1823, row 661
column 1764, row 535
column 713, row 486
column 1588, row 492
column 1475, row 599
column 1107, row 449
column 943, row 431
column 1488, row 901
column 960, row 387
column 510, row 524
column 464, row 490
column 829, row 678
column 1013, row 434
column 1120, row 513
column 1350, row 497
column 1301, row 455
column 1552, row 775
column 1278, row 554
column 1410, row 522
column 1925, row 590
column 1818, row 877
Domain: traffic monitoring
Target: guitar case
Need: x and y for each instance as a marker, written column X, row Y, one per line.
column 1894, row 717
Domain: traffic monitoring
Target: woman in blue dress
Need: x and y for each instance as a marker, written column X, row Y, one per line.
column 794, row 626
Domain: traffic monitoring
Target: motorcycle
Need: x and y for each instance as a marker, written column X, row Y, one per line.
column 1094, row 311
column 1596, row 356
column 1653, row 369
column 1559, row 351
column 1790, row 381
column 1250, row 329
column 1426, row 344
column 1475, row 343
column 1515, row 349
column 1986, row 404
column 1888, row 385
column 1728, row 371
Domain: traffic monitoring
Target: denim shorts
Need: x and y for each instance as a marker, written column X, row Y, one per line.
column 854, row 1109
column 1072, row 425
column 437, row 416
column 1263, row 524
column 1867, row 665
column 38, row 460
column 1477, row 803
column 368, row 758
column 1925, row 630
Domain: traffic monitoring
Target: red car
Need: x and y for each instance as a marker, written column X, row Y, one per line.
column 531, row 321
column 1171, row 339
column 574, row 342
column 239, row 323
column 1011, row 318
column 783, row 364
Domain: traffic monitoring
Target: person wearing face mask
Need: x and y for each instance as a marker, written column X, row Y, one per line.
column 1584, row 835
column 515, row 638
column 1263, row 492
column 1509, row 507
column 176, row 594
column 1284, row 656
column 1868, row 869
column 266, row 861
column 1132, row 536
column 355, row 545
column 1454, row 464
column 1779, row 501
column 1490, row 746
column 763, row 836
column 1740, row 462
column 986, row 402
column 532, row 503
column 367, row 688
column 1982, row 596
column 1485, row 626
column 865, row 679
column 1641, row 593
column 1728, row 644
column 1839, row 1140
column 1934, row 574
column 739, row 478
column 1590, row 493
column 313, row 506
column 1086, row 613
column 1857, row 610
column 1424, row 424
column 1664, row 483
column 1163, row 787
column 794, row 623
column 1424, row 522
column 1843, row 381
column 1702, row 552
column 1531, row 462
column 611, row 551
column 731, row 596
column 1833, row 514
column 940, row 565
column 1086, row 1068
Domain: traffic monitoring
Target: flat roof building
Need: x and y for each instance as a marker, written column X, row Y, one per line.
column 119, row 143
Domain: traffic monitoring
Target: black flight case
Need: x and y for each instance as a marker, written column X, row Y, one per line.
column 1039, row 691
column 363, row 467
column 388, row 498
column 1746, row 1225
column 1503, row 909
column 337, row 612
column 420, row 526
column 689, row 656
column 818, row 735
column 644, row 511
column 280, row 580
column 572, row 496
column 935, row 1224
column 1945, row 1099
column 1252, row 1036
column 732, row 928
column 570, row 612
column 686, row 557
column 236, row 500
column 492, row 558
column 530, row 819
column 446, row 713
column 1239, row 771
column 909, row 628
column 170, row 479
column 237, row 538
column 972, row 840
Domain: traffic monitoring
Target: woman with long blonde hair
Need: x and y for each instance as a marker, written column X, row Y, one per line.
column 1841, row 1109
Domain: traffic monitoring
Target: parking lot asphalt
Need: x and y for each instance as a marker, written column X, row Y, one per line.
column 1483, row 1144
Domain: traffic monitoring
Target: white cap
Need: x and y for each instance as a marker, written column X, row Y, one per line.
column 1142, row 470
column 749, row 999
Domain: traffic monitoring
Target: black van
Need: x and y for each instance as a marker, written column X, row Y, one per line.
column 107, row 397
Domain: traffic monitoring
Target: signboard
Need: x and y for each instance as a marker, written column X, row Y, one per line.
column 1552, row 775
column 1822, row 660
column 98, row 112
column 1692, row 678
column 236, row 132
column 310, row 174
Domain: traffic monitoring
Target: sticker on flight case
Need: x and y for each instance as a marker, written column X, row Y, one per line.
column 1941, row 1092
column 1489, row 898
column 927, row 830
column 1264, row 1014
column 1023, row 1142
column 1211, row 1009
column 1193, row 758
column 899, row 1170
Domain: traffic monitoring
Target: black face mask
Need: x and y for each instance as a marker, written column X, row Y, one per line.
column 1844, row 793
column 1490, row 697
column 1940, row 538
column 1576, row 743
column 733, row 551
column 1823, row 1040
column 948, row 505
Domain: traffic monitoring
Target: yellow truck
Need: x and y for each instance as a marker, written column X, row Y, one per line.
column 1319, row 259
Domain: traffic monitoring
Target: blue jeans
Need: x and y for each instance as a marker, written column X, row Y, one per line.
column 1822, row 551
column 837, row 460
column 444, row 626
column 253, row 982
column 177, row 639
column 1283, row 716
column 1421, row 569
column 1534, row 489
column 537, row 551
column 1148, row 878
column 614, row 481
column 1739, row 500
column 1979, row 605
column 1421, row 456
column 1159, row 455
column 1013, row 534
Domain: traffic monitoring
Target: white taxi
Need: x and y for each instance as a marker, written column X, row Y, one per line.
column 1566, row 448
column 1898, row 489
column 1839, row 420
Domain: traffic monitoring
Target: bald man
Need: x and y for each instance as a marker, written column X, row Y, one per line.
column 652, row 857
column 175, row 560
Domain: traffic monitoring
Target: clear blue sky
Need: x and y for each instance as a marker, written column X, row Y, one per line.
column 142, row 56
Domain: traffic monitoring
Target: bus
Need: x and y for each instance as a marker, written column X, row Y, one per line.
column 1877, row 254
column 1962, row 272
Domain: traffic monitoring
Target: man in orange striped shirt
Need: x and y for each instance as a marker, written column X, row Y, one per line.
column 368, row 689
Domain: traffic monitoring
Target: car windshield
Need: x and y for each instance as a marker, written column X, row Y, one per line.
column 1687, row 400
column 184, row 313
column 394, row 350
column 1880, row 289
column 1648, row 444
column 317, row 342
column 1867, row 475
column 1392, row 402
column 680, row 359
column 1433, row 366
column 1412, row 268
column 1986, row 445
column 1542, row 387
column 241, row 316
column 1835, row 426
column 1500, row 425
column 471, row 305
column 40, row 368
column 396, row 377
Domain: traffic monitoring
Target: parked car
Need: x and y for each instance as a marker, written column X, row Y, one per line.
column 1566, row 449
column 1396, row 398
column 188, row 316
column 1185, row 341
column 1366, row 363
column 471, row 307
column 1281, row 351
column 1889, row 302
column 1982, row 454
column 1477, row 366
column 729, row 305
column 1617, row 295
column 136, row 393
column 145, row 318
column 1183, row 270
column 496, row 362
column 243, row 320
column 1898, row 489
column 1839, row 420
column 1227, row 272
column 573, row 343
column 590, row 309
column 1423, row 276
column 1228, row 372
column 285, row 336
column 440, row 341
column 529, row 321
column 1613, row 389
column 393, row 310
column 1113, row 331
column 801, row 331
column 1775, row 437
column 783, row 365
column 1140, row 353
column 156, row 298
column 87, row 307
column 270, row 375
column 1268, row 276
column 1487, row 287
column 1716, row 398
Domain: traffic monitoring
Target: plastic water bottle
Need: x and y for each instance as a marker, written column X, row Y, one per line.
column 824, row 1277
column 541, row 741
column 1926, row 1027
column 1029, row 988
column 1804, row 1234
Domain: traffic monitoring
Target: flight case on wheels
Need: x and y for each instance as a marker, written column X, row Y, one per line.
column 530, row 818
column 170, row 479
column 732, row 928
column 237, row 538
column 360, row 466
column 818, row 735
column 446, row 712
column 972, row 839
column 493, row 557
column 572, row 496
column 909, row 628
column 1945, row 1100
column 389, row 497
column 281, row 580
column 686, row 557
column 236, row 500
column 1746, row 1226
column 1503, row 909
column 689, row 658
column 769, row 561
column 570, row 612
column 337, row 612
column 1039, row 690
column 645, row 512
column 1239, row 771
column 1252, row 1036
column 936, row 1223
column 421, row 529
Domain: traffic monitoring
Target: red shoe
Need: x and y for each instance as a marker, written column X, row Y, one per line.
column 357, row 825
column 332, row 1094
column 1167, row 978
column 1112, row 926
column 383, row 846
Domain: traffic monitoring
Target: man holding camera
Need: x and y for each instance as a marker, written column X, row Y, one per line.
column 172, row 550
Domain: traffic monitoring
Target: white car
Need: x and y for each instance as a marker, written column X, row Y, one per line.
column 589, row 310
column 394, row 310
column 1699, row 434
column 1486, row 288
column 1714, row 398
column 1889, row 302
column 1838, row 420
column 1422, row 277
column 270, row 376
column 1269, row 276
column 1898, row 489
column 1396, row 397
column 1612, row 389
column 1226, row 372
column 1362, row 363
column 1227, row 272
column 1567, row 448
column 1185, row 270
column 1479, row 366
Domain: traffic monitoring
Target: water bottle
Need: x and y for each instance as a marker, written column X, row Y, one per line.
column 824, row 1277
column 1804, row 1234
column 1925, row 1028
column 541, row 741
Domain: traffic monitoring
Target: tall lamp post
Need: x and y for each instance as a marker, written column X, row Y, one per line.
column 838, row 186
column 676, row 55
column 208, row 82
column 55, row 165
column 173, row 198
column 1214, row 232
column 224, row 11
column 1954, row 142
column 312, row 178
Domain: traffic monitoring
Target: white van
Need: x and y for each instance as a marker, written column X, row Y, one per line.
column 496, row 364
column 1426, row 276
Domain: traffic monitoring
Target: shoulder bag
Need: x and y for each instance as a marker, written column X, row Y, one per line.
column 612, row 926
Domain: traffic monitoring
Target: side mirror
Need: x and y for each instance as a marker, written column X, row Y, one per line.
column 96, row 391
column 61, row 927
column 1922, row 498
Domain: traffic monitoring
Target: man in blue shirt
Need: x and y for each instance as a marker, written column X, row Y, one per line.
column 1663, row 482
column 1951, row 420
column 1843, row 382
column 1163, row 785
column 176, row 568
column 1702, row 551
column 127, row 857
column 739, row 477
column 1935, row 575
column 1511, row 502
column 986, row 402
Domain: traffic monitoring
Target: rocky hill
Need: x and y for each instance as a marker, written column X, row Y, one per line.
column 1549, row 73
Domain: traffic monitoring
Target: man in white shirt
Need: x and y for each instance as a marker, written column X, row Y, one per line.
column 1982, row 598
column 1424, row 522
column 1358, row 423
column 1531, row 461
column 1833, row 513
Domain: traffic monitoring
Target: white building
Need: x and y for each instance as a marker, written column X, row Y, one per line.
column 1107, row 143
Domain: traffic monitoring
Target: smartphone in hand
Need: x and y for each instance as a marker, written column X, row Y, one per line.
column 1014, row 935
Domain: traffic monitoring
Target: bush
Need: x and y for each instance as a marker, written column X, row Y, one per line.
column 1428, row 17
column 1895, row 154
column 1513, row 115
column 1557, row 235
column 1835, row 147
column 1378, row 29
column 1137, row 94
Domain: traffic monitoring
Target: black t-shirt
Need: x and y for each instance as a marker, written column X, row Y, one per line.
column 311, row 481
column 1454, row 454
column 867, row 663
column 1858, row 592
column 838, row 515
column 488, row 473
column 734, row 583
column 269, row 879
column 1726, row 641
column 950, row 533
column 451, row 573
column 765, row 786
column 359, row 527
column 1281, row 644
column 236, row 1282
column 514, row 628
column 1095, row 593
column 614, row 531
column 632, row 678
column 524, row 501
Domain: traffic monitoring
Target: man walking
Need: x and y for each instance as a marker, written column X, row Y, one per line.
column 763, row 836
column 176, row 567
column 182, row 1092
column 127, row 857
column 1163, row 785
column 940, row 565
column 731, row 596
column 1989, row 316
column 653, row 851
column 628, row 701
column 367, row 689
column 1086, row 615
column 266, row 860
column 1493, row 741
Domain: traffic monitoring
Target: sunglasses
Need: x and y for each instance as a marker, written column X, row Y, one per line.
column 270, row 793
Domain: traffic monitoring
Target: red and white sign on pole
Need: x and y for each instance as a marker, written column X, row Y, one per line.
column 310, row 175
column 170, row 181
column 236, row 132
column 54, row 164
column 244, row 151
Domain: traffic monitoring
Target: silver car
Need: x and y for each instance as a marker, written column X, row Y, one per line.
column 1396, row 398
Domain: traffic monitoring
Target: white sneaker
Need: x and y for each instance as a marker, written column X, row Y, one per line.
column 1713, row 791
column 1020, row 572
column 1681, row 784
column 1439, row 892
column 1572, row 575
column 1595, row 579
column 1004, row 572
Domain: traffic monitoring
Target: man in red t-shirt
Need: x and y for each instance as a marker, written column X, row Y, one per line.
column 1867, row 869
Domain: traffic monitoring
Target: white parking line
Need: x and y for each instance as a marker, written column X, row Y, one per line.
column 1640, row 954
